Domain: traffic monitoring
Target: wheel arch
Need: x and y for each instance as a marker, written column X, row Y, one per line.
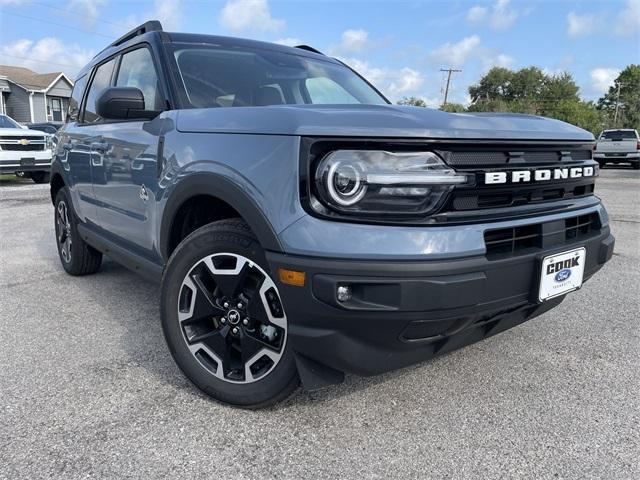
column 223, row 190
column 56, row 181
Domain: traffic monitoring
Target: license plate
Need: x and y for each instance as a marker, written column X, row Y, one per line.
column 27, row 162
column 561, row 273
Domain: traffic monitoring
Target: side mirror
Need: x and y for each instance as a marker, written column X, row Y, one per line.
column 120, row 103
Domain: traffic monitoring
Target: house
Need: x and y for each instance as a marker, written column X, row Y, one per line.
column 27, row 96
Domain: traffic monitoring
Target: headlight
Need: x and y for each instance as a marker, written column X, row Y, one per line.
column 48, row 142
column 376, row 182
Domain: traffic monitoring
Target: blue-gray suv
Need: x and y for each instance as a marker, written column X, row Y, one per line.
column 302, row 226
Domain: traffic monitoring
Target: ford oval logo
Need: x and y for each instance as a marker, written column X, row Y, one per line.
column 563, row 274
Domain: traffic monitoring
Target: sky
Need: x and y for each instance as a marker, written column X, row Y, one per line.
column 400, row 46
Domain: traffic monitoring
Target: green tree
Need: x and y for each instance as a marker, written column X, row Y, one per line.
column 453, row 108
column 494, row 85
column 629, row 100
column 561, row 86
column 532, row 91
column 412, row 101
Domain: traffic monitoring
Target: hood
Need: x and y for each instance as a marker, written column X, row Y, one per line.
column 375, row 121
column 20, row 132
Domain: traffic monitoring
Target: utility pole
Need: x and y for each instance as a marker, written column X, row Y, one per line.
column 446, row 90
column 615, row 115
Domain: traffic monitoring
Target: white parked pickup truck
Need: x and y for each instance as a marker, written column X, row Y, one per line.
column 618, row 146
column 23, row 151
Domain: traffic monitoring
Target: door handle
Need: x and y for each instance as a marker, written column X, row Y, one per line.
column 100, row 147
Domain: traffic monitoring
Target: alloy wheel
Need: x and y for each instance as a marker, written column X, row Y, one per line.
column 63, row 226
column 232, row 318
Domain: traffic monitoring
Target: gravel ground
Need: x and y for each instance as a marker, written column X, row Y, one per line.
column 88, row 388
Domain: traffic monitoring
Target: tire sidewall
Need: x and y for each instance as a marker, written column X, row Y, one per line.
column 205, row 241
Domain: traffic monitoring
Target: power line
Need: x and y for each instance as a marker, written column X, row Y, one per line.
column 446, row 91
column 66, row 10
column 41, row 61
column 58, row 24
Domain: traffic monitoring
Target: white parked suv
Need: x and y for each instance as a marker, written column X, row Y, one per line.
column 618, row 146
column 23, row 151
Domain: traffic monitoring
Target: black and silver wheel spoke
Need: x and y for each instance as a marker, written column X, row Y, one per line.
column 232, row 318
column 64, row 231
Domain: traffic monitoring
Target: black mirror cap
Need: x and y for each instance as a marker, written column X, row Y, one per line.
column 122, row 103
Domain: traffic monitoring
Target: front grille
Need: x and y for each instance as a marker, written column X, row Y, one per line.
column 514, row 157
column 14, row 138
column 466, row 200
column 526, row 238
column 515, row 196
column 16, row 147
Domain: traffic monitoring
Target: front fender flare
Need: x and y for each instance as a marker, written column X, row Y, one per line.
column 224, row 189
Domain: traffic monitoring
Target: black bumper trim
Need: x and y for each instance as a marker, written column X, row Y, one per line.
column 404, row 312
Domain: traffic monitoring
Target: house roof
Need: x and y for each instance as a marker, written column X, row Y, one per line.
column 29, row 79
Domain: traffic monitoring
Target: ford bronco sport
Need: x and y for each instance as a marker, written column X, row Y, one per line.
column 301, row 225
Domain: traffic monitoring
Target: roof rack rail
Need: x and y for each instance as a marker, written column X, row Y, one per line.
column 309, row 49
column 150, row 26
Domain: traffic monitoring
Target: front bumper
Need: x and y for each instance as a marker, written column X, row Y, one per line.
column 24, row 161
column 403, row 312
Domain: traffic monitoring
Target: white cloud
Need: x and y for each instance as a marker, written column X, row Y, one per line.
column 499, row 60
column 289, row 41
column 354, row 40
column 581, row 25
column 456, row 54
column 476, row 14
column 394, row 83
column 602, row 78
column 169, row 12
column 89, row 9
column 253, row 15
column 49, row 54
column 408, row 80
column 628, row 20
column 500, row 16
column 469, row 49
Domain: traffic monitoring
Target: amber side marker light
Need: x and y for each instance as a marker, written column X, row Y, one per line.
column 291, row 277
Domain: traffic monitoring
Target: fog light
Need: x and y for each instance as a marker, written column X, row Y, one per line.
column 344, row 293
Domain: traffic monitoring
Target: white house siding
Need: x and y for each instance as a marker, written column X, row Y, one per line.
column 60, row 89
column 17, row 104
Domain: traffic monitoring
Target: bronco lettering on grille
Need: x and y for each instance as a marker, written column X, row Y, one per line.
column 539, row 175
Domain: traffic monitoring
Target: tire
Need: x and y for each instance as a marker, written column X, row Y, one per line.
column 214, row 278
column 40, row 177
column 76, row 256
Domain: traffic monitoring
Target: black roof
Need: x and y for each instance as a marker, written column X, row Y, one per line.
column 152, row 30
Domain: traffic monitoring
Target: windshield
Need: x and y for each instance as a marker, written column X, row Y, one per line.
column 222, row 77
column 619, row 135
column 8, row 122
